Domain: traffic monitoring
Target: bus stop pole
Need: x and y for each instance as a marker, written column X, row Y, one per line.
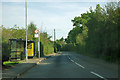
column 39, row 43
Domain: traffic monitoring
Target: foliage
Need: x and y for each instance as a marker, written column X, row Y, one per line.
column 46, row 44
column 10, row 33
column 96, row 32
column 19, row 33
column 59, row 44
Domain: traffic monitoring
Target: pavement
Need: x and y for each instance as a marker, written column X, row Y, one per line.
column 17, row 70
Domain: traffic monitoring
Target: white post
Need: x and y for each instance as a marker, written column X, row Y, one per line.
column 54, row 42
column 26, row 28
column 39, row 43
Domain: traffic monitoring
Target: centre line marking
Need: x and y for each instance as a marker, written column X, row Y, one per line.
column 79, row 65
column 98, row 75
column 90, row 72
column 76, row 63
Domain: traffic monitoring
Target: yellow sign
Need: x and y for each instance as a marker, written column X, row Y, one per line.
column 30, row 49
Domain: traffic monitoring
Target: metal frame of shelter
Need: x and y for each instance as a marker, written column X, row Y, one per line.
column 18, row 48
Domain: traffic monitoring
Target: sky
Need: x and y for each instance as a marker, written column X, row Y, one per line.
column 47, row 15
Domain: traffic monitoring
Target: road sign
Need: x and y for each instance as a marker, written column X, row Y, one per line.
column 36, row 35
column 36, row 31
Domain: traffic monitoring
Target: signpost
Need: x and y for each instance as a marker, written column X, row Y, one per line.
column 37, row 35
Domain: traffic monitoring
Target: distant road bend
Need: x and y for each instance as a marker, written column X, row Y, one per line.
column 72, row 65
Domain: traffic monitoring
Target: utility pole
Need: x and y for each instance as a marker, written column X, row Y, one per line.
column 26, row 27
column 54, row 42
column 39, row 43
column 119, row 4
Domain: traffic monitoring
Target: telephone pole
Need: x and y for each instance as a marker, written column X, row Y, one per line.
column 26, row 26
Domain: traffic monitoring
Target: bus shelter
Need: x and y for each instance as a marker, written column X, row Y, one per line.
column 18, row 48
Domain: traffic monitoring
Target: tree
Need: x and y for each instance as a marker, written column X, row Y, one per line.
column 96, row 32
column 31, row 28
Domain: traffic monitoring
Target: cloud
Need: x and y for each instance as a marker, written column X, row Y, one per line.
column 0, row 14
column 12, row 0
column 60, row 0
column 12, row 15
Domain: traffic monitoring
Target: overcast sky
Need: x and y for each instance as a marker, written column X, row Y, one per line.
column 49, row 14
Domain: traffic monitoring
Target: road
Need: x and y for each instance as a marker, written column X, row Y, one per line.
column 71, row 65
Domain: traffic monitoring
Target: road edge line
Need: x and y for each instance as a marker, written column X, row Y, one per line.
column 98, row 75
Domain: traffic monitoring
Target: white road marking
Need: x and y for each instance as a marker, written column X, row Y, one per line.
column 90, row 72
column 98, row 75
column 72, row 60
column 79, row 65
column 76, row 63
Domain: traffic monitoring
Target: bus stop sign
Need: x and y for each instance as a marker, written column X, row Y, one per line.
column 36, row 34
column 36, row 31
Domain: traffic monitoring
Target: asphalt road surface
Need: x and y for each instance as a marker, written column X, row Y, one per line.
column 71, row 65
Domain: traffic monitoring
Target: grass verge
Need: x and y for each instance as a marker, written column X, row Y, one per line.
column 10, row 63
